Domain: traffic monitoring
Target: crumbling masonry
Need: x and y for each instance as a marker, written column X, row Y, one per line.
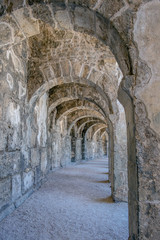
column 80, row 79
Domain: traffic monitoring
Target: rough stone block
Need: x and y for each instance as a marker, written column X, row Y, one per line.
column 30, row 26
column 13, row 139
column 10, row 163
column 86, row 3
column 63, row 19
column 28, row 180
column 43, row 12
column 85, row 72
column 32, row 138
column 35, row 157
column 76, row 68
column 65, row 68
column 57, row 70
column 3, row 140
column 95, row 76
column 25, row 158
column 84, row 20
column 0, row 98
column 16, row 187
column 6, row 34
column 78, row 149
column 109, row 7
column 101, row 28
column 37, row 175
column 43, row 160
column 5, row 192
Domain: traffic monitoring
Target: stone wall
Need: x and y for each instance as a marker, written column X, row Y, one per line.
column 58, row 43
column 121, row 158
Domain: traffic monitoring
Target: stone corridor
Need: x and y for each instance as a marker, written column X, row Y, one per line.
column 79, row 80
column 73, row 204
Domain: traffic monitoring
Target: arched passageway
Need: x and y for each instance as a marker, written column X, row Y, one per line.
column 74, row 203
column 73, row 145
column 70, row 65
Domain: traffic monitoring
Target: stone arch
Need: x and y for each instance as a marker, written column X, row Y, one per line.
column 92, row 146
column 83, row 117
column 91, row 110
column 104, row 137
column 73, row 144
column 111, row 36
column 69, row 106
column 73, row 90
column 80, row 128
column 94, row 129
column 97, row 131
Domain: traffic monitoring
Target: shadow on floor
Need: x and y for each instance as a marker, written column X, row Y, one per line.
column 103, row 181
column 105, row 200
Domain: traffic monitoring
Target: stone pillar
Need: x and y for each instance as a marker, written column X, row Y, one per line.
column 89, row 149
column 120, row 158
column 105, row 146
column 99, row 148
column 133, row 196
column 65, row 150
column 78, row 149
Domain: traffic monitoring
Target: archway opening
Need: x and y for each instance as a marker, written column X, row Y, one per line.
column 66, row 85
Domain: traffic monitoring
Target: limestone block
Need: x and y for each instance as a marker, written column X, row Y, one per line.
column 2, row 140
column 101, row 29
column 0, row 110
column 56, row 69
column 109, row 7
column 25, row 157
column 48, row 73
column 13, row 139
column 16, row 187
column 22, row 90
column 76, row 68
column 95, row 76
column 150, row 219
column 147, row 37
column 35, row 157
column 65, row 65
column 86, row 3
column 10, row 163
column 6, row 34
column 64, row 20
column 43, row 12
column 44, row 160
column 78, row 149
column 13, row 119
column 28, row 180
column 84, row 20
column 30, row 27
column 32, row 138
column 85, row 71
column 37, row 175
column 41, row 110
column 5, row 192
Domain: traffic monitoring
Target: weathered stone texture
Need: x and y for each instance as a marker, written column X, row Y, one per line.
column 5, row 192
column 61, row 62
column 16, row 187
column 121, row 158
column 10, row 164
column 35, row 157
column 28, row 180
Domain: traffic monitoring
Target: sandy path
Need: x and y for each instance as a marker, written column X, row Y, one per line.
column 73, row 204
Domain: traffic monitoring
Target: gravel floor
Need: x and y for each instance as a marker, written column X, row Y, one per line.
column 74, row 204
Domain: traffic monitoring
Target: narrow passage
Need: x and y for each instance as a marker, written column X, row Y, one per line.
column 74, row 204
